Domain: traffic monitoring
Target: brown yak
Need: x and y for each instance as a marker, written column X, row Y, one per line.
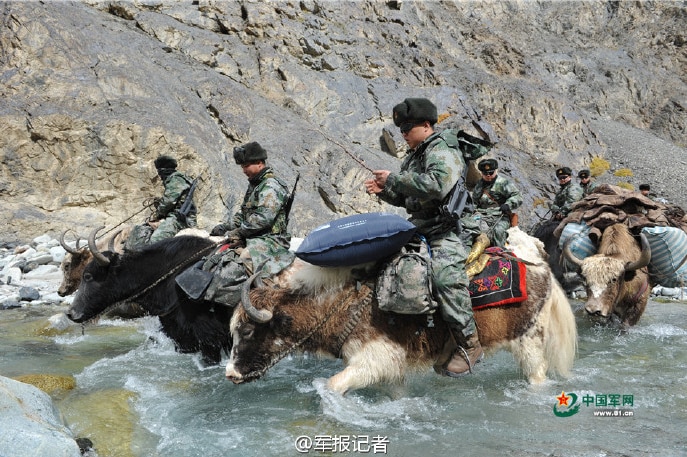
column 77, row 258
column 617, row 278
column 324, row 311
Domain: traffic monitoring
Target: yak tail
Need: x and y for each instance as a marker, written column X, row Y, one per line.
column 560, row 345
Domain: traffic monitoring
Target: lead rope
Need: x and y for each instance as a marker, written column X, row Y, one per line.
column 349, row 328
column 190, row 260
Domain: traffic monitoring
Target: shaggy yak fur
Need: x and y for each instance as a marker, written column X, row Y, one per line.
column 325, row 312
column 617, row 278
column 147, row 277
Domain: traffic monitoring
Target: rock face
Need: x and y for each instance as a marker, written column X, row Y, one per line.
column 93, row 91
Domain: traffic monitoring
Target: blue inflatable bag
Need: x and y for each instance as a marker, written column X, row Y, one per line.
column 356, row 239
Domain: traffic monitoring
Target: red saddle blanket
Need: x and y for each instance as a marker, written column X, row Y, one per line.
column 501, row 282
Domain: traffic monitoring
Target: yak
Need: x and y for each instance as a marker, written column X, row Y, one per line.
column 617, row 278
column 77, row 258
column 146, row 277
column 565, row 272
column 326, row 311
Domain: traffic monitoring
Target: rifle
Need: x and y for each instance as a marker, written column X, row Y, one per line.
column 289, row 202
column 459, row 200
column 187, row 206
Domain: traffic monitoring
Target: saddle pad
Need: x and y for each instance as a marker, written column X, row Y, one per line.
column 501, row 282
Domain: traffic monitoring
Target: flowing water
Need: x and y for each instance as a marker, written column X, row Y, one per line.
column 136, row 397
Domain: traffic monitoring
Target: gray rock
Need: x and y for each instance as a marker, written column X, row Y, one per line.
column 31, row 426
column 28, row 294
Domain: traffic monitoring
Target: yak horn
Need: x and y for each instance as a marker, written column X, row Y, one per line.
column 68, row 248
column 644, row 259
column 258, row 315
column 97, row 255
column 111, row 244
column 568, row 254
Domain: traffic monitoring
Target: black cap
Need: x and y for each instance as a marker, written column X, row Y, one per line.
column 165, row 162
column 250, row 152
column 488, row 165
column 644, row 187
column 584, row 174
column 563, row 171
column 415, row 110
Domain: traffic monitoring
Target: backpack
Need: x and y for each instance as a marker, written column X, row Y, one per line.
column 404, row 285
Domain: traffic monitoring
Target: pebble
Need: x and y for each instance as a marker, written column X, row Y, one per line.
column 30, row 273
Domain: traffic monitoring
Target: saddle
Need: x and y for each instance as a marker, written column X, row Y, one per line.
column 497, row 278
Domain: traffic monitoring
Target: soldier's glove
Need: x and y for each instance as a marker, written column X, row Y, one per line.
column 235, row 239
column 505, row 209
column 218, row 230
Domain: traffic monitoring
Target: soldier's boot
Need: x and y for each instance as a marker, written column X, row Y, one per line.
column 468, row 353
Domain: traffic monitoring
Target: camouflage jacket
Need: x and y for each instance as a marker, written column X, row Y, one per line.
column 589, row 188
column 262, row 222
column 262, row 211
column 427, row 176
column 568, row 194
column 177, row 186
column 489, row 197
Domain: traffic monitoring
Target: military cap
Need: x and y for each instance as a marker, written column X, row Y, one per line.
column 415, row 110
column 584, row 174
column 644, row 187
column 563, row 171
column 488, row 165
column 165, row 162
column 250, row 152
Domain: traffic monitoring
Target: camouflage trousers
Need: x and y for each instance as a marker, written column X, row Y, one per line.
column 451, row 282
column 145, row 234
column 495, row 227
column 170, row 226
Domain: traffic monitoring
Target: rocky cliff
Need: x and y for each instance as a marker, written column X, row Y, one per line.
column 93, row 91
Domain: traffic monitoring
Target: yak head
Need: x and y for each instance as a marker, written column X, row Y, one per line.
column 72, row 266
column 259, row 333
column 612, row 280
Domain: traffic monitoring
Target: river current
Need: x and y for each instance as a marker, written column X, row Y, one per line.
column 135, row 396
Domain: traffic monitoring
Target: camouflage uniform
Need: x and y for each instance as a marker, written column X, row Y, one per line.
column 488, row 218
column 588, row 188
column 427, row 176
column 262, row 223
column 568, row 194
column 177, row 186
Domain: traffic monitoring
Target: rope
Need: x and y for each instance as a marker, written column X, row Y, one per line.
column 280, row 355
column 357, row 159
column 188, row 261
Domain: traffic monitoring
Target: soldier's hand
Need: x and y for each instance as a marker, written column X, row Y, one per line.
column 218, row 230
column 234, row 237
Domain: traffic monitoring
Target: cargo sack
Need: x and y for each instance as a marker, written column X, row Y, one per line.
column 404, row 285
column 580, row 243
column 357, row 239
column 229, row 274
column 668, row 252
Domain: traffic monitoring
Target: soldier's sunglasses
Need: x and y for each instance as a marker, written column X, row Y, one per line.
column 408, row 126
column 488, row 173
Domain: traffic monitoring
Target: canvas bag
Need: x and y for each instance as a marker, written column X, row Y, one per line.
column 404, row 285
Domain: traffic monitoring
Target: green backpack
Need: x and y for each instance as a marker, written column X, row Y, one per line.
column 404, row 285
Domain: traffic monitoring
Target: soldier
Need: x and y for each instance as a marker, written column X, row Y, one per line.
column 260, row 226
column 586, row 182
column 569, row 193
column 427, row 175
column 167, row 220
column 644, row 189
column 495, row 197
